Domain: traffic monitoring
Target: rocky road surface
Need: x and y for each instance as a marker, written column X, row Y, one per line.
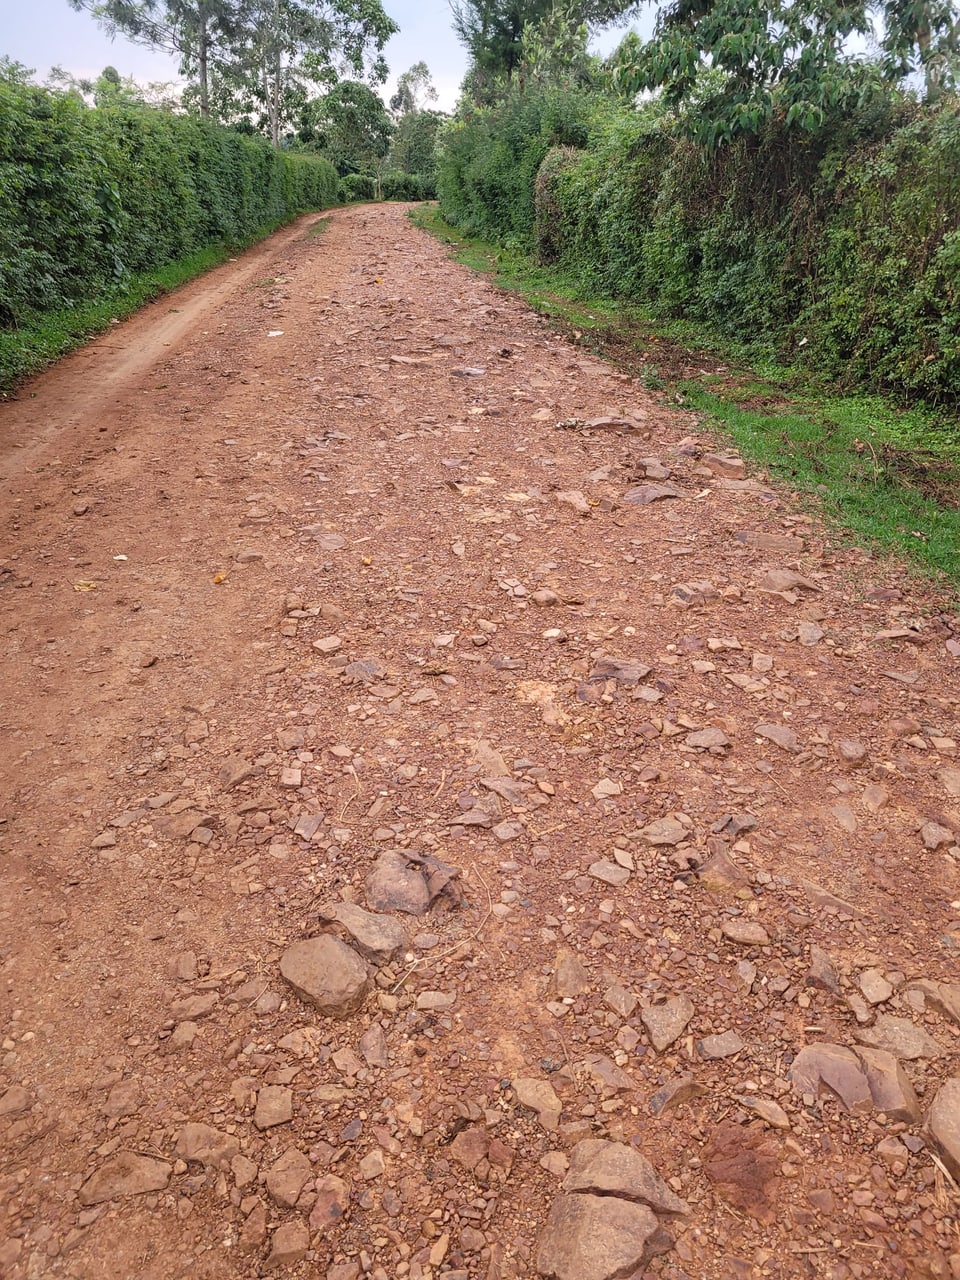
column 456, row 820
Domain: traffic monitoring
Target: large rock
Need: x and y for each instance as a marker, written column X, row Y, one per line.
column 589, row 1237
column 540, row 1097
column 126, row 1174
column 890, row 1086
column 943, row 1125
column 865, row 1080
column 378, row 938
column 900, row 1036
column 570, row 976
column 333, row 1199
column 394, row 885
column 207, row 1146
column 286, row 1178
column 942, row 996
column 743, row 1164
column 326, row 973
column 666, row 1022
column 288, row 1245
column 614, row 1169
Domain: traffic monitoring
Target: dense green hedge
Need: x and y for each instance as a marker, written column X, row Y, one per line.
column 90, row 196
column 842, row 250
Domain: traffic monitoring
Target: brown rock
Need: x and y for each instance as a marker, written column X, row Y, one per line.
column 598, row 1238
column 393, row 885
column 540, row 1097
column 373, row 1047
column 720, row 874
column 326, row 973
column 15, row 1100
column 126, row 1174
column 667, row 1022
column 625, row 671
column 333, row 1199
column 614, row 1169
column 724, row 1045
column 831, row 1067
column 378, row 938
column 942, row 996
column 852, row 753
column 665, row 831
column 748, row 933
column 900, row 1037
column 254, row 1230
column 943, row 1125
column 642, row 495
column 470, row 1146
column 207, row 1146
column 890, row 1086
column 935, row 836
column 725, row 464
column 821, row 972
column 674, row 1094
column 780, row 734
column 713, row 740
column 286, row 1178
column 570, row 978
column 743, row 1165
column 876, row 989
column 288, row 1246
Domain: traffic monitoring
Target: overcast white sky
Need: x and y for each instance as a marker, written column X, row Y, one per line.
column 47, row 33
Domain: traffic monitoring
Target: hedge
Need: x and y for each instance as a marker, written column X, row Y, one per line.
column 841, row 250
column 90, row 196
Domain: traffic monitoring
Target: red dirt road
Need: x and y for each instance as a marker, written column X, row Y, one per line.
column 276, row 605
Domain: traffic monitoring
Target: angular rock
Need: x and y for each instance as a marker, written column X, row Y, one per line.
column 725, row 464
column 747, row 933
column 821, row 972
column 333, row 1199
column 665, row 831
column 642, row 495
column 935, row 836
column 713, row 740
column 667, row 1022
column 779, row 734
column 540, row 1097
column 852, row 753
column 327, row 973
column 724, row 1045
column 274, row 1106
column 674, row 1094
column 570, row 977
column 207, row 1146
column 942, row 996
column 393, row 885
column 900, row 1037
column 286, row 1178
column 288, row 1245
column 470, row 1146
column 378, row 938
column 769, row 1111
column 822, row 1066
column 785, row 580
column 720, row 874
column 15, row 1100
column 625, row 671
column 373, row 1047
column 614, row 1169
column 598, row 1238
column 943, row 1125
column 126, row 1174
column 608, row 872
column 876, row 989
column 890, row 1086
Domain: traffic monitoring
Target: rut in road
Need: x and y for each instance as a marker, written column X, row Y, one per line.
column 442, row 842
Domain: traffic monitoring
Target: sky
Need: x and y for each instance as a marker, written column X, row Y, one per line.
column 46, row 33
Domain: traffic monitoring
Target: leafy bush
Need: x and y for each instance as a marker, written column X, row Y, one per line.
column 841, row 249
column 91, row 196
column 406, row 186
column 356, row 186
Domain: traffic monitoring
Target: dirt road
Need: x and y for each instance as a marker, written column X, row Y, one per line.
column 623, row 807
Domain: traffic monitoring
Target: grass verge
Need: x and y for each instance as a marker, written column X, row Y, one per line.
column 886, row 474
column 50, row 335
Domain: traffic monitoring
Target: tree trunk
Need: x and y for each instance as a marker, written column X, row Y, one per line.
column 202, row 61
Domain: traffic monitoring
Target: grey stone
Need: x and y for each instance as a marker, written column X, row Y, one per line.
column 724, row 1045
column 377, row 937
column 666, row 1022
column 327, row 973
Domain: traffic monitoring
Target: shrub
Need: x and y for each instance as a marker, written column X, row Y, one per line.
column 356, row 186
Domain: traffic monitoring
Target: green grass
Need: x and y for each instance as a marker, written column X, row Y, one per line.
column 47, row 337
column 885, row 474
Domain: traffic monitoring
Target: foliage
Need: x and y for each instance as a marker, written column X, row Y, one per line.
column 91, row 196
column 413, row 148
column 351, row 127
column 841, row 251
column 406, row 186
column 785, row 61
column 356, row 186
column 412, row 85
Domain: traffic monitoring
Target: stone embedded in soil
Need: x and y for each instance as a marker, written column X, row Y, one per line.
column 288, row 1245
column 944, row 997
column 126, row 1174
column 935, row 836
column 900, row 1037
column 743, row 1164
column 286, row 1178
column 15, row 1100
column 598, row 1238
column 714, row 740
column 674, row 1094
column 470, row 1146
column 780, row 734
column 333, row 1199
column 254, row 1230
column 410, row 882
column 327, row 973
column 852, row 753
column 667, row 1022
column 821, row 972
column 943, row 1125
column 122, row 1100
column 610, row 873
column 747, row 933
column 863, row 1080
column 540, row 1097
column 274, row 1106
column 205, row 1145
column 874, row 986
column 720, row 874
column 769, row 1111
column 724, row 1045
column 615, row 1169
column 785, row 580
column 377, row 937
column 729, row 465
column 625, row 671
column 665, row 831
column 570, row 978
column 373, row 1047
column 642, row 495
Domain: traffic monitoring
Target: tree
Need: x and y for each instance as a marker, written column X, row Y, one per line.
column 350, row 126
column 411, row 86
column 191, row 28
column 493, row 30
column 786, row 58
column 414, row 145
